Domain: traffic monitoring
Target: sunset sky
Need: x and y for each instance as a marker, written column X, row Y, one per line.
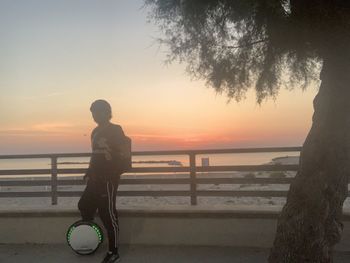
column 59, row 56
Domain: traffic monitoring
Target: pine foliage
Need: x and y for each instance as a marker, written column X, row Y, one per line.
column 238, row 44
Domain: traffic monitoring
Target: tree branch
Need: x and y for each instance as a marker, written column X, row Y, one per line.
column 249, row 44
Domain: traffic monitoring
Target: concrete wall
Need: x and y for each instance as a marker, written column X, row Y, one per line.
column 192, row 226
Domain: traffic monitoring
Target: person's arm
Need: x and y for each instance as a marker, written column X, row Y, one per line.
column 88, row 172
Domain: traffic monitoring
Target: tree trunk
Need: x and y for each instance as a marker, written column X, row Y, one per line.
column 310, row 223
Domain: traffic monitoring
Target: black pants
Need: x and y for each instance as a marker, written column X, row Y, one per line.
column 101, row 196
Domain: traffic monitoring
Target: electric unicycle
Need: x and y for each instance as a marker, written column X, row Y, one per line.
column 84, row 237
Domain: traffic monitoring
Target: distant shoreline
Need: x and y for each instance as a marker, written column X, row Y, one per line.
column 286, row 160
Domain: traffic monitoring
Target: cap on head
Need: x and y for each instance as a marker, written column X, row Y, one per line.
column 101, row 108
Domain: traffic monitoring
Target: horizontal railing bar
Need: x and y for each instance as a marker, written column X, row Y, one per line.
column 159, row 175
column 133, row 181
column 156, row 181
column 257, row 193
column 242, row 168
column 131, row 193
column 25, row 172
column 26, row 183
column 156, row 193
column 26, row 194
column 71, row 182
column 175, row 152
column 83, row 170
column 72, row 171
column 148, row 181
column 159, row 169
column 244, row 180
column 44, row 156
column 221, row 151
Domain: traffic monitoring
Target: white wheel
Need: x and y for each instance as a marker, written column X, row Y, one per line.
column 84, row 237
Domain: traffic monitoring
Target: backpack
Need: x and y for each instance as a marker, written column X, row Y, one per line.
column 124, row 158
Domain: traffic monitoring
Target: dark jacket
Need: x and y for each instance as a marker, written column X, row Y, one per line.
column 105, row 143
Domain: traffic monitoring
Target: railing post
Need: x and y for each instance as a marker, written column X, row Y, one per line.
column 54, row 180
column 193, row 186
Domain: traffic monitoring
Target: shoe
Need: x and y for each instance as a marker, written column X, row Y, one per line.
column 111, row 258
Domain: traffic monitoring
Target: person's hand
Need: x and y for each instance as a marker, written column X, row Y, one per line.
column 86, row 178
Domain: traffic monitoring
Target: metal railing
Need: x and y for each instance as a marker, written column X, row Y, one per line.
column 193, row 181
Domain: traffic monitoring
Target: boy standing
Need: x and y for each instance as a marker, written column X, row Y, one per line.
column 103, row 176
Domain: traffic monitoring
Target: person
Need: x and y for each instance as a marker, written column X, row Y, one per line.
column 103, row 176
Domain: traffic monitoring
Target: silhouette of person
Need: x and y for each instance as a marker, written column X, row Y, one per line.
column 103, row 176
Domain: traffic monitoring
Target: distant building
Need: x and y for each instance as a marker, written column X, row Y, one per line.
column 205, row 161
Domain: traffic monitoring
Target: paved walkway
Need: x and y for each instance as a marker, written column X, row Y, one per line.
column 139, row 254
